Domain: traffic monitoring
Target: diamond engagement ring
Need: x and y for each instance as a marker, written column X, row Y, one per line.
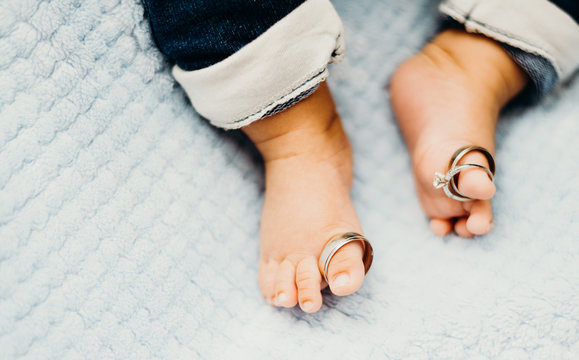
column 336, row 243
column 448, row 182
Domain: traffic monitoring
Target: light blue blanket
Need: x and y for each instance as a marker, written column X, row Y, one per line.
column 129, row 226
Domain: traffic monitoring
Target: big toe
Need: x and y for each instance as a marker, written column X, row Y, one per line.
column 346, row 270
column 476, row 184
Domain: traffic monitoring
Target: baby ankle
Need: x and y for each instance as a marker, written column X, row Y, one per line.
column 486, row 62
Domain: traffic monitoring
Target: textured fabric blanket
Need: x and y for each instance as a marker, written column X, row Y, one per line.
column 129, row 226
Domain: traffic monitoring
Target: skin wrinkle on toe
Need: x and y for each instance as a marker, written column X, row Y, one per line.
column 285, row 287
column 308, row 281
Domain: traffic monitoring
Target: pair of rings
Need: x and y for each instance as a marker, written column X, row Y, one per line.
column 448, row 182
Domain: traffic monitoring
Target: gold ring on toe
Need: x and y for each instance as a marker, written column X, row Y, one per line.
column 336, row 243
column 448, row 182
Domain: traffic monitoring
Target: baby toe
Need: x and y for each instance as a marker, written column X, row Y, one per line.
column 346, row 270
column 267, row 273
column 461, row 229
column 440, row 227
column 480, row 219
column 475, row 183
column 285, row 292
column 308, row 281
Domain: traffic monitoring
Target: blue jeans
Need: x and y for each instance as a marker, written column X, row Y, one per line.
column 196, row 34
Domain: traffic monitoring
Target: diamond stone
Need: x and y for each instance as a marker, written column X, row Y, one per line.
column 439, row 181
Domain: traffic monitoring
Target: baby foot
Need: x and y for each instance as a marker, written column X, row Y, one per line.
column 308, row 164
column 446, row 97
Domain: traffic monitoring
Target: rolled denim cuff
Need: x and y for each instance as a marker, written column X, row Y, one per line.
column 283, row 65
column 540, row 71
column 540, row 37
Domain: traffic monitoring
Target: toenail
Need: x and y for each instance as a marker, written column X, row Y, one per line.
column 341, row 280
column 281, row 298
column 307, row 306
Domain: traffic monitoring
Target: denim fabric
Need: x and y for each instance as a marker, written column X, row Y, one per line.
column 199, row 33
column 542, row 74
column 281, row 107
column 540, row 71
